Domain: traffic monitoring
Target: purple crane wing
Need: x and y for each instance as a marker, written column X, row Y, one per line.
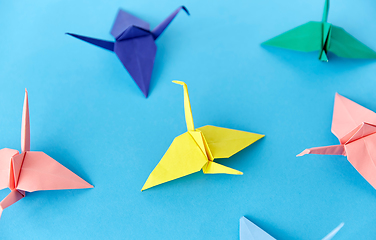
column 124, row 20
column 133, row 32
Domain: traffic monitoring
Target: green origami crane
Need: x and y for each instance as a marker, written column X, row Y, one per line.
column 324, row 37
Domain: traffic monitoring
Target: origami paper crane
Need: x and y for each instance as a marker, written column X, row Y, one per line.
column 31, row 171
column 323, row 37
column 355, row 127
column 134, row 45
column 250, row 231
column 197, row 148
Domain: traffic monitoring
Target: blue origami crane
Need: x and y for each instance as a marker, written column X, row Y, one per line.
column 249, row 231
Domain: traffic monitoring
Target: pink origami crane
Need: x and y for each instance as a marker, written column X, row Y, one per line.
column 32, row 171
column 355, row 127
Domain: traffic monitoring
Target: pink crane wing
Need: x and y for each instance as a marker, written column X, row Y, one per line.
column 362, row 155
column 6, row 155
column 363, row 130
column 348, row 115
column 41, row 172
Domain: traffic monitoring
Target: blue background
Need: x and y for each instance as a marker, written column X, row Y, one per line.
column 87, row 113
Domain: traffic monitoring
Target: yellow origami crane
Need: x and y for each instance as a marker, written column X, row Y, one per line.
column 197, row 148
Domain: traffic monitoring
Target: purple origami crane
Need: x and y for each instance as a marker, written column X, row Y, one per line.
column 134, row 45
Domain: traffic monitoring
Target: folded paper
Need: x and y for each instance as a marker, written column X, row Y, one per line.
column 134, row 45
column 355, row 127
column 323, row 37
column 31, row 171
column 250, row 231
column 197, row 148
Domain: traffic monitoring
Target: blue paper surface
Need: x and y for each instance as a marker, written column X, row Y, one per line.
column 87, row 113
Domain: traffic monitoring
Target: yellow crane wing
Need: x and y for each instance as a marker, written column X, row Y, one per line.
column 224, row 142
column 214, row 168
column 183, row 157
